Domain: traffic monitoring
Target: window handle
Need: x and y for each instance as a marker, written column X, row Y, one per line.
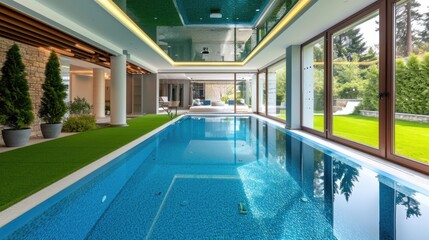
column 382, row 95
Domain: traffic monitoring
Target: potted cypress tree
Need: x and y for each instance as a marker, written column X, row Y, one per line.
column 53, row 107
column 15, row 103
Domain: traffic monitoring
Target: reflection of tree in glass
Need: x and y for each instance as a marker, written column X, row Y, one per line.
column 410, row 203
column 280, row 147
column 346, row 175
column 319, row 174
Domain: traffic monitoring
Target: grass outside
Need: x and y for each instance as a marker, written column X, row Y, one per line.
column 411, row 138
column 27, row 170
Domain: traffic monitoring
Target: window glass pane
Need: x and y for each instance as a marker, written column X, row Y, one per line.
column 277, row 90
column 261, row 93
column 313, row 108
column 355, row 73
column 411, row 128
column 244, row 92
column 209, row 92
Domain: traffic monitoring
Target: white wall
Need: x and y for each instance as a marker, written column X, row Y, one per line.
column 150, row 93
column 81, row 86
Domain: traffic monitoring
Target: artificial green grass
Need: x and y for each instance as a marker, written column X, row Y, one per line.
column 27, row 170
column 357, row 128
column 411, row 138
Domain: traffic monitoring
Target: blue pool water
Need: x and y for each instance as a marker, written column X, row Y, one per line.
column 188, row 181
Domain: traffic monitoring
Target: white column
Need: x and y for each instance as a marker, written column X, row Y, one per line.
column 247, row 89
column 254, row 85
column 118, row 90
column 98, row 92
column 293, row 87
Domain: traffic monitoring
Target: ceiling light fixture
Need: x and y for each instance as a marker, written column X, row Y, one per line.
column 86, row 49
column 215, row 13
column 63, row 52
column 205, row 50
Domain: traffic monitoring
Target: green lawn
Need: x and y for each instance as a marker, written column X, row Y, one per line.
column 27, row 170
column 412, row 138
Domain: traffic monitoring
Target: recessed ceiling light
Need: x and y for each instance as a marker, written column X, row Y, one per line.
column 215, row 13
column 257, row 9
column 227, row 18
column 201, row 18
column 237, row 18
column 155, row 18
column 169, row 46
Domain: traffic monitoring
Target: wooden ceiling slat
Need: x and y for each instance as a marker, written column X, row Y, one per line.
column 29, row 22
column 27, row 25
column 19, row 27
column 17, row 38
column 34, row 25
column 42, row 38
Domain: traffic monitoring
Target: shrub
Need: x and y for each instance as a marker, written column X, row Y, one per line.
column 79, row 106
column 53, row 107
column 79, row 123
column 15, row 102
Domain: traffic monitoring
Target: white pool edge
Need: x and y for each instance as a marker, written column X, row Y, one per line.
column 23, row 206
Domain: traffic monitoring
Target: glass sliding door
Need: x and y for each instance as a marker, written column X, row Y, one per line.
column 262, row 92
column 355, row 82
column 313, row 77
column 277, row 90
column 244, row 92
column 411, row 80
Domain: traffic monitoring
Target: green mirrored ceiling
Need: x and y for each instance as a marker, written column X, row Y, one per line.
column 232, row 12
column 206, row 30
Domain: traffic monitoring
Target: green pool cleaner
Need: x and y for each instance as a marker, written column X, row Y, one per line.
column 242, row 208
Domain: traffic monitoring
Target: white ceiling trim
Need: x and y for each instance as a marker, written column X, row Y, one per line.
column 88, row 21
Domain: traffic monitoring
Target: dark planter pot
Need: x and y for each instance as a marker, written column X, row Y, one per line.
column 16, row 137
column 51, row 130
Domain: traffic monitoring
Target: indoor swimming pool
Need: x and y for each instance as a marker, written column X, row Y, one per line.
column 230, row 177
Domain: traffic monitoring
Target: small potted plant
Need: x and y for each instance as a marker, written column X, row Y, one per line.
column 53, row 107
column 15, row 102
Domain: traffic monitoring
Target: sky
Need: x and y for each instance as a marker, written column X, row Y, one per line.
column 368, row 28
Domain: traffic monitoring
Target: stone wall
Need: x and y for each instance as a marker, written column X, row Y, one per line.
column 34, row 60
column 399, row 116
